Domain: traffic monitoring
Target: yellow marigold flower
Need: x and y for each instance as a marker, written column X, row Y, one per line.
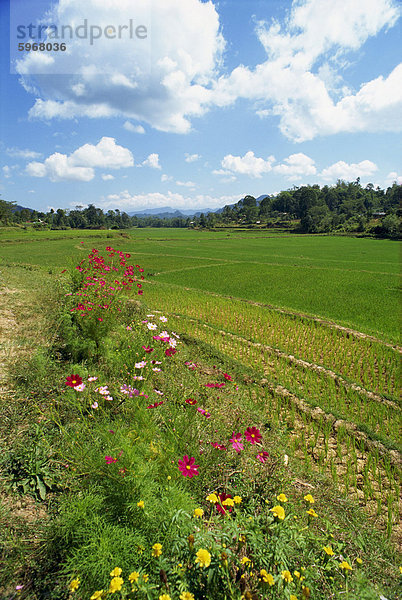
column 203, row 558
column 156, row 550
column 237, row 500
column 228, row 502
column 312, row 512
column 359, row 561
column 213, row 498
column 198, row 512
column 145, row 577
column 267, row 577
column 116, row 572
column 345, row 566
column 287, row 576
column 309, row 498
column 242, row 539
column 400, row 570
column 186, row 596
column 245, row 560
column 282, row 498
column 296, row 574
column 328, row 550
column 134, row 577
column 165, row 597
column 278, row 511
column 74, row 585
column 140, row 504
column 116, row 585
column 292, row 597
column 96, row 595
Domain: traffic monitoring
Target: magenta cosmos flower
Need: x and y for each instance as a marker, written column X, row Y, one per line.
column 253, row 435
column 262, row 456
column 235, row 440
column 187, row 466
column 73, row 380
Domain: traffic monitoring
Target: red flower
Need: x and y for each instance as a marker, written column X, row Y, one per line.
column 148, row 349
column 222, row 509
column 228, row 377
column 73, row 380
column 155, row 405
column 218, row 446
column 253, row 435
column 262, row 456
column 191, row 401
column 170, row 351
column 187, row 466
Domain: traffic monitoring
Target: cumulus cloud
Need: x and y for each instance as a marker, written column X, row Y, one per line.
column 393, row 177
column 191, row 157
column 127, row 201
column 133, row 128
column 349, row 172
column 189, row 184
column 81, row 164
column 163, row 80
column 249, row 164
column 152, row 161
column 107, row 177
column 296, row 166
column 301, row 81
column 165, row 178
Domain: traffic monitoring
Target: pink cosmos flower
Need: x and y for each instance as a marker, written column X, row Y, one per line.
column 191, row 401
column 170, row 351
column 80, row 388
column 227, row 377
column 218, row 446
column 253, row 435
column 235, row 440
column 204, row 412
column 109, row 460
column 148, row 348
column 262, row 457
column 155, row 405
column 94, row 405
column 187, row 466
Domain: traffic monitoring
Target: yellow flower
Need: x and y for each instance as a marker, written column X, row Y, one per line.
column 312, row 512
column 96, row 595
column 213, row 498
column 345, row 566
column 245, row 560
column 116, row 572
column 292, row 597
column 359, row 561
column 156, row 550
column 282, row 498
column 267, row 577
column 198, row 512
column 278, row 511
column 74, row 585
column 328, row 550
column 140, row 504
column 242, row 539
column 228, row 502
column 287, row 576
column 237, row 500
column 203, row 558
column 145, row 577
column 186, row 596
column 296, row 574
column 165, row 597
column 309, row 498
column 115, row 585
column 134, row 577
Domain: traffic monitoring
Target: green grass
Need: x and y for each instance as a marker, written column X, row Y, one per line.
column 353, row 281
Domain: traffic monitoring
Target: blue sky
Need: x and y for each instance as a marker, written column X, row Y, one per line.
column 214, row 100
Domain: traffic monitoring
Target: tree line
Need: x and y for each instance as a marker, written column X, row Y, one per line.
column 345, row 207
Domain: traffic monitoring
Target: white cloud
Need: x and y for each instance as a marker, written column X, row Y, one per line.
column 152, row 161
column 80, row 165
column 296, row 166
column 6, row 172
column 349, row 172
column 129, row 202
column 393, row 177
column 189, row 184
column 20, row 153
column 248, row 164
column 107, row 177
column 191, row 157
column 133, row 128
column 165, row 178
column 301, row 81
column 186, row 50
